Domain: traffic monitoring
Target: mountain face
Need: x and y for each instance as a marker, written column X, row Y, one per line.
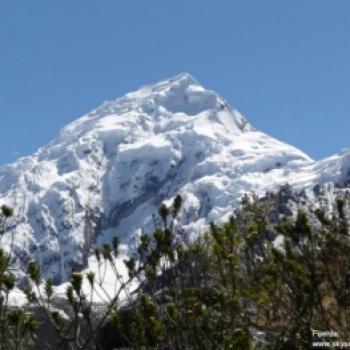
column 108, row 171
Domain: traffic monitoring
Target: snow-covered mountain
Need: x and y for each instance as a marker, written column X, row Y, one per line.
column 109, row 170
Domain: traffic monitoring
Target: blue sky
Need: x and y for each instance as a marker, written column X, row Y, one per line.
column 284, row 64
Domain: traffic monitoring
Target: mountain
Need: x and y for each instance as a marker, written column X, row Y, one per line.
column 109, row 170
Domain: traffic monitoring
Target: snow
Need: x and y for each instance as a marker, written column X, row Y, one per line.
column 109, row 170
column 17, row 298
column 106, row 283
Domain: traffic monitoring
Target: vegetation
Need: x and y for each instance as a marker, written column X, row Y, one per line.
column 260, row 281
column 17, row 327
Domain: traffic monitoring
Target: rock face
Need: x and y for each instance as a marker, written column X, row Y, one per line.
column 108, row 171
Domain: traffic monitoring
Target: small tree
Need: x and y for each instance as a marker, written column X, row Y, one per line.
column 17, row 327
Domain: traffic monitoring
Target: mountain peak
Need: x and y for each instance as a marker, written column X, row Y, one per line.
column 179, row 81
column 175, row 100
column 184, row 78
column 179, row 94
column 110, row 169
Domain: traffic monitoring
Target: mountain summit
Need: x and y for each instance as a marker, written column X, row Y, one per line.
column 109, row 170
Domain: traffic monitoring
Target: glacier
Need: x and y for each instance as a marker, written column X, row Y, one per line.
column 108, row 171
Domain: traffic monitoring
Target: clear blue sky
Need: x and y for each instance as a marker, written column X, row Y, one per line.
column 284, row 64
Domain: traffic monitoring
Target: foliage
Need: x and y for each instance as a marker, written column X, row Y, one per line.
column 262, row 280
column 17, row 326
column 258, row 281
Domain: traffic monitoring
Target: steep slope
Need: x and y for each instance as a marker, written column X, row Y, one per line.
column 108, row 171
